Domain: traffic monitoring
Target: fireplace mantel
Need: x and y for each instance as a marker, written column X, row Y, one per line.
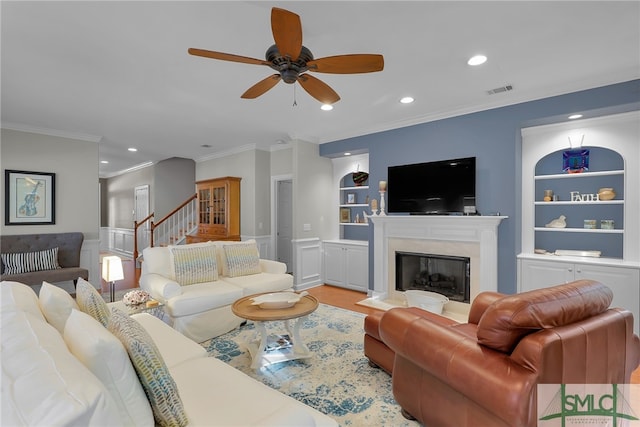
column 481, row 232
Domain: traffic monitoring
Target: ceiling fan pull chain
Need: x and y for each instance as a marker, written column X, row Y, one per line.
column 295, row 103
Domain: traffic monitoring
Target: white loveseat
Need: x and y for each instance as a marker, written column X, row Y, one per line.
column 227, row 271
column 82, row 376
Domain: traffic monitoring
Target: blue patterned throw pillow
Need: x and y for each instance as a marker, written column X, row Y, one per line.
column 158, row 385
column 194, row 263
column 91, row 302
column 242, row 259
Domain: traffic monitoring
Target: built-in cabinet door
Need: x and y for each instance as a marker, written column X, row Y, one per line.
column 542, row 274
column 357, row 274
column 624, row 282
column 334, row 265
column 346, row 265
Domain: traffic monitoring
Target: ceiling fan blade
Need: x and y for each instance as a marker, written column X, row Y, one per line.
column 261, row 87
column 227, row 57
column 347, row 64
column 287, row 32
column 318, row 89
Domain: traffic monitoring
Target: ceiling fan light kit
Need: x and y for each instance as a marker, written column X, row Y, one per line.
column 292, row 61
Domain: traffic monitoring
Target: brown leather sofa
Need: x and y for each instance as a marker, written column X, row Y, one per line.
column 485, row 372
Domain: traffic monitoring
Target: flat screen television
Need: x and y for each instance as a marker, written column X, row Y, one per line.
column 445, row 187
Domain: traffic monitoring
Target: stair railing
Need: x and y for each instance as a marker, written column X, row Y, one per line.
column 142, row 238
column 174, row 227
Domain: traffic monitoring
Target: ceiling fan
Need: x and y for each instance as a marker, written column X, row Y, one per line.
column 292, row 61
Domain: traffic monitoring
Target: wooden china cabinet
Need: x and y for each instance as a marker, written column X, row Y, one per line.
column 218, row 210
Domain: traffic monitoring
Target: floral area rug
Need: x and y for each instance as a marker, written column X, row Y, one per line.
column 337, row 380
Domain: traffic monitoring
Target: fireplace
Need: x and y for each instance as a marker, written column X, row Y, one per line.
column 473, row 237
column 444, row 274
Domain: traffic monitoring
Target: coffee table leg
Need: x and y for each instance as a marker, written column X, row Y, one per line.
column 299, row 347
column 260, row 351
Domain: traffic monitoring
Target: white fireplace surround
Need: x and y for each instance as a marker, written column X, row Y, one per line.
column 475, row 237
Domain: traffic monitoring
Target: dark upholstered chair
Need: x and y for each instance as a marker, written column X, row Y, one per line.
column 486, row 371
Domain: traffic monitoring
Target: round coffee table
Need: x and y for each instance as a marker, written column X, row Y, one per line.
column 266, row 349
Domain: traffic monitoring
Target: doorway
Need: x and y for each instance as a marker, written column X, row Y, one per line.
column 283, row 214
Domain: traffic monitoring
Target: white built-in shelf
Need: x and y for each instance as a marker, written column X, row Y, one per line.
column 579, row 175
column 354, row 223
column 361, row 187
column 579, row 230
column 568, row 202
column 354, row 205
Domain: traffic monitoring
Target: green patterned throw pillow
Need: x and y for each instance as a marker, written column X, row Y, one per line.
column 194, row 263
column 91, row 302
column 242, row 259
column 159, row 386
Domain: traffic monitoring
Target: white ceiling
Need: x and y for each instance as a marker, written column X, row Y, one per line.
column 119, row 72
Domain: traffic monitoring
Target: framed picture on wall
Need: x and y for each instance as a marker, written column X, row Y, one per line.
column 351, row 198
column 29, row 198
column 345, row 215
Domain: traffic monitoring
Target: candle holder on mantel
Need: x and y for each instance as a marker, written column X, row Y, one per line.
column 382, row 204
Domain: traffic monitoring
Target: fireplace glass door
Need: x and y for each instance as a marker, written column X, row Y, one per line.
column 446, row 275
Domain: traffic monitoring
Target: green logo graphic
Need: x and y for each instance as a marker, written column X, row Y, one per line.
column 598, row 403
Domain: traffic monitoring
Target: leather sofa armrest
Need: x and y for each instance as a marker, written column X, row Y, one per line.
column 481, row 303
column 273, row 267
column 159, row 287
column 485, row 376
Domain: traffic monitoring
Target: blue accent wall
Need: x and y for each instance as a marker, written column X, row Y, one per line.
column 493, row 137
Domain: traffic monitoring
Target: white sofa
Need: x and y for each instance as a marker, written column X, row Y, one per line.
column 49, row 379
column 202, row 310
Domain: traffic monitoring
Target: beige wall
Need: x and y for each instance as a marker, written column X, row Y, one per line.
column 250, row 166
column 75, row 164
column 120, row 194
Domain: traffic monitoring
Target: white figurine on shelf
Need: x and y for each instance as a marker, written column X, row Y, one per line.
column 558, row 222
column 365, row 217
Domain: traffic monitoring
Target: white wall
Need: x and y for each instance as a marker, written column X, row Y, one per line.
column 75, row 163
column 312, row 192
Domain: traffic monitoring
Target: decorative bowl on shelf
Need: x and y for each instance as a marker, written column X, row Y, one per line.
column 359, row 178
column 277, row 300
column 606, row 193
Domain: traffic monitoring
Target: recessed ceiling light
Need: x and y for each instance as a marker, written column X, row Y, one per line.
column 132, row 149
column 326, row 107
column 406, row 100
column 206, row 146
column 575, row 116
column 477, row 60
column 104, row 161
column 347, row 154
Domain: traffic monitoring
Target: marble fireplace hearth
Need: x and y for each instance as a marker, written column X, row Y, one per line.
column 475, row 237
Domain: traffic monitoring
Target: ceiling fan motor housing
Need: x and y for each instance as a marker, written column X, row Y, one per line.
column 289, row 70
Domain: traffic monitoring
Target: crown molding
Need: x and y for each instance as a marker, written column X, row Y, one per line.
column 225, row 153
column 51, row 132
column 131, row 169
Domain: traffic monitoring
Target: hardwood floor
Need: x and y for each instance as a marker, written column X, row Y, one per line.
column 326, row 294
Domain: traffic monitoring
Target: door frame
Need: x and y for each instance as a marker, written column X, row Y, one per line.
column 275, row 179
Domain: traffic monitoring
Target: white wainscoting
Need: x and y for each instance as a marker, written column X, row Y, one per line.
column 307, row 261
column 117, row 240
